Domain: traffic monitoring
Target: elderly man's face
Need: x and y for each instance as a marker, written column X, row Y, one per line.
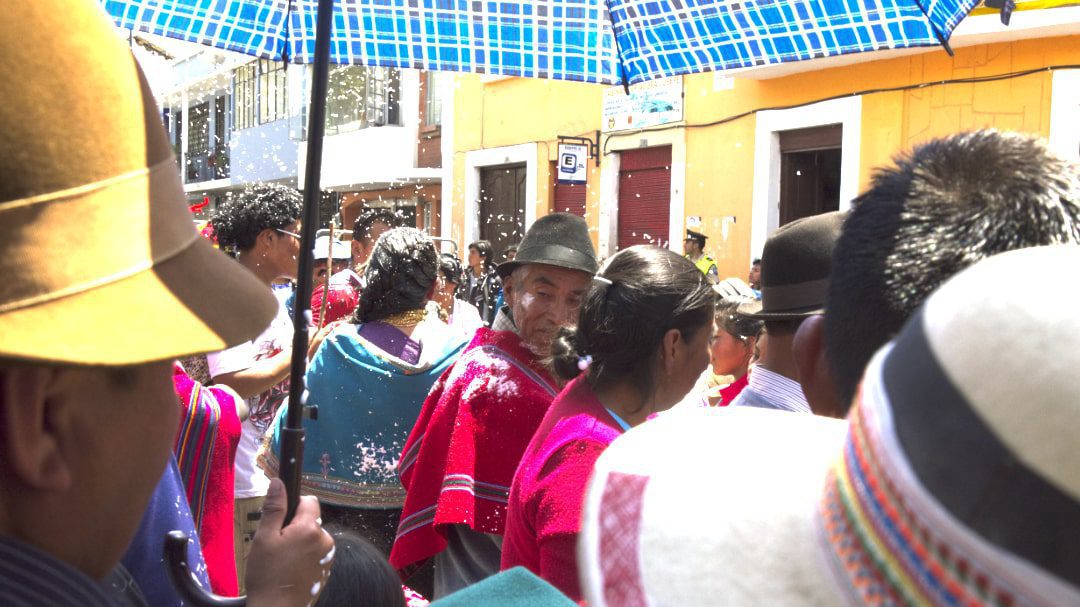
column 544, row 298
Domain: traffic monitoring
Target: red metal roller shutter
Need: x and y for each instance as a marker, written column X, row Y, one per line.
column 570, row 198
column 644, row 196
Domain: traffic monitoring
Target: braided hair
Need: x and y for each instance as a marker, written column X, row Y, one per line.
column 399, row 275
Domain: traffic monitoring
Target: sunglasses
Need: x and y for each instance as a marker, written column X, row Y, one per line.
column 288, row 233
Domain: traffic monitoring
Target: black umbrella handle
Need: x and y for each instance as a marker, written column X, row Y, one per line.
column 292, row 448
column 183, row 580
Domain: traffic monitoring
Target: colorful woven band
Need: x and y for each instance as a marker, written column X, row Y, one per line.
column 889, row 541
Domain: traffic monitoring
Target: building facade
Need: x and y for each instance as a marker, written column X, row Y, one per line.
column 735, row 155
column 234, row 120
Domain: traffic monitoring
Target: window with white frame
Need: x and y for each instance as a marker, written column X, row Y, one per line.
column 432, row 100
column 271, row 87
column 244, row 96
column 359, row 97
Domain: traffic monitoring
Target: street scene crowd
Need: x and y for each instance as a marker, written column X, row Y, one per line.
column 882, row 411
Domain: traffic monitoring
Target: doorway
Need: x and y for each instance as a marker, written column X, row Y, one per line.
column 810, row 161
column 502, row 206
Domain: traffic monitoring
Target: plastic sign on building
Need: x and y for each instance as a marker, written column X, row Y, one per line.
column 573, row 158
column 648, row 104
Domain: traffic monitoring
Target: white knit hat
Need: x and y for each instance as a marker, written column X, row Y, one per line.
column 957, row 480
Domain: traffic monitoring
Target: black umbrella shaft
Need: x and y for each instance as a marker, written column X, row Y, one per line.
column 292, row 443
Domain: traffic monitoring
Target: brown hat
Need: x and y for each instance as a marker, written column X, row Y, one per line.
column 795, row 268
column 100, row 258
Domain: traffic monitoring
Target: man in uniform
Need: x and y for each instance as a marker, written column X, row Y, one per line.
column 694, row 247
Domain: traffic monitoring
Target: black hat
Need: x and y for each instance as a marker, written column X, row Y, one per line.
column 698, row 236
column 795, row 268
column 558, row 239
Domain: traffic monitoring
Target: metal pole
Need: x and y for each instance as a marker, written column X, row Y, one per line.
column 292, row 439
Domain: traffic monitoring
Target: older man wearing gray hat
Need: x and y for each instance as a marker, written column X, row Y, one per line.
column 460, row 458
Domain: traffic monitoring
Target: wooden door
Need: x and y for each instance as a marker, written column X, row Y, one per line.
column 809, row 172
column 502, row 206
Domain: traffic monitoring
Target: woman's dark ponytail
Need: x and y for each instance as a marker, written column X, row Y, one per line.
column 565, row 356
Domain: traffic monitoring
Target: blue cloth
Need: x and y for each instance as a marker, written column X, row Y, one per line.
column 517, row 587
column 30, row 577
column 368, row 402
column 612, row 41
column 167, row 511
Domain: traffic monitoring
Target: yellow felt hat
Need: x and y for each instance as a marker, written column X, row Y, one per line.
column 99, row 260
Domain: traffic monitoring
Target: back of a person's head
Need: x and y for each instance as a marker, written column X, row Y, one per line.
column 639, row 295
column 450, row 268
column 360, row 575
column 238, row 222
column 362, row 226
column 399, row 275
column 945, row 205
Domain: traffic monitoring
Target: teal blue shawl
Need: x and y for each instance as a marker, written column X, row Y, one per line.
column 368, row 402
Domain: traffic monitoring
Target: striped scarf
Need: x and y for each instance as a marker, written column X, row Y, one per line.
column 194, row 446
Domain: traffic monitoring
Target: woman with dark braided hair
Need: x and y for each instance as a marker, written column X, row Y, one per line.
column 369, row 379
column 641, row 342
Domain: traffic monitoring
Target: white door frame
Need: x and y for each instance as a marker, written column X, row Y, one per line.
column 477, row 159
column 1065, row 114
column 609, row 185
column 765, row 214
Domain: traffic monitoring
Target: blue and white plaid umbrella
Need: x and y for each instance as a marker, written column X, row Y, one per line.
column 617, row 41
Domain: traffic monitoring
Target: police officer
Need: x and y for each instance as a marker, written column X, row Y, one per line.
column 694, row 247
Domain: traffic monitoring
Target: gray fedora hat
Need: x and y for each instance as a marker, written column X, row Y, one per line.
column 795, row 268
column 558, row 239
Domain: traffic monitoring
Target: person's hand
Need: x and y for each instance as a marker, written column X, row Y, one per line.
column 288, row 566
column 319, row 337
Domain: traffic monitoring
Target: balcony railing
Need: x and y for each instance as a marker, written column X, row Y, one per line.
column 206, row 167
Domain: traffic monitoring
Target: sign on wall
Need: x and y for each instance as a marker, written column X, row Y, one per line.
column 573, row 158
column 648, row 104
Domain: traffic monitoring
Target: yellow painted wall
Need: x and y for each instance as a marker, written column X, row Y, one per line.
column 720, row 159
column 518, row 110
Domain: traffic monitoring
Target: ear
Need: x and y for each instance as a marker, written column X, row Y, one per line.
column 808, row 349
column 34, row 420
column 266, row 238
column 509, row 291
column 671, row 346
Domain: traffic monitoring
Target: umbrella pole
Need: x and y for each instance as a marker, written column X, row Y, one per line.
column 292, row 435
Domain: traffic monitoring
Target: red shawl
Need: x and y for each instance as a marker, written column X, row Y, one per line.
column 462, row 453
column 205, row 452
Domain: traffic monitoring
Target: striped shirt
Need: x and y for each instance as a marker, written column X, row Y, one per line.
column 29, row 576
column 769, row 390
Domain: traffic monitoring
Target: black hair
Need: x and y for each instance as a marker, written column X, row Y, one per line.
column 450, row 268
column 944, row 206
column 240, row 220
column 360, row 574
column 756, row 262
column 398, row 276
column 362, row 227
column 483, row 247
column 736, row 325
column 622, row 323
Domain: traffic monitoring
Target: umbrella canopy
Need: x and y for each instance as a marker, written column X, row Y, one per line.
column 610, row 42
